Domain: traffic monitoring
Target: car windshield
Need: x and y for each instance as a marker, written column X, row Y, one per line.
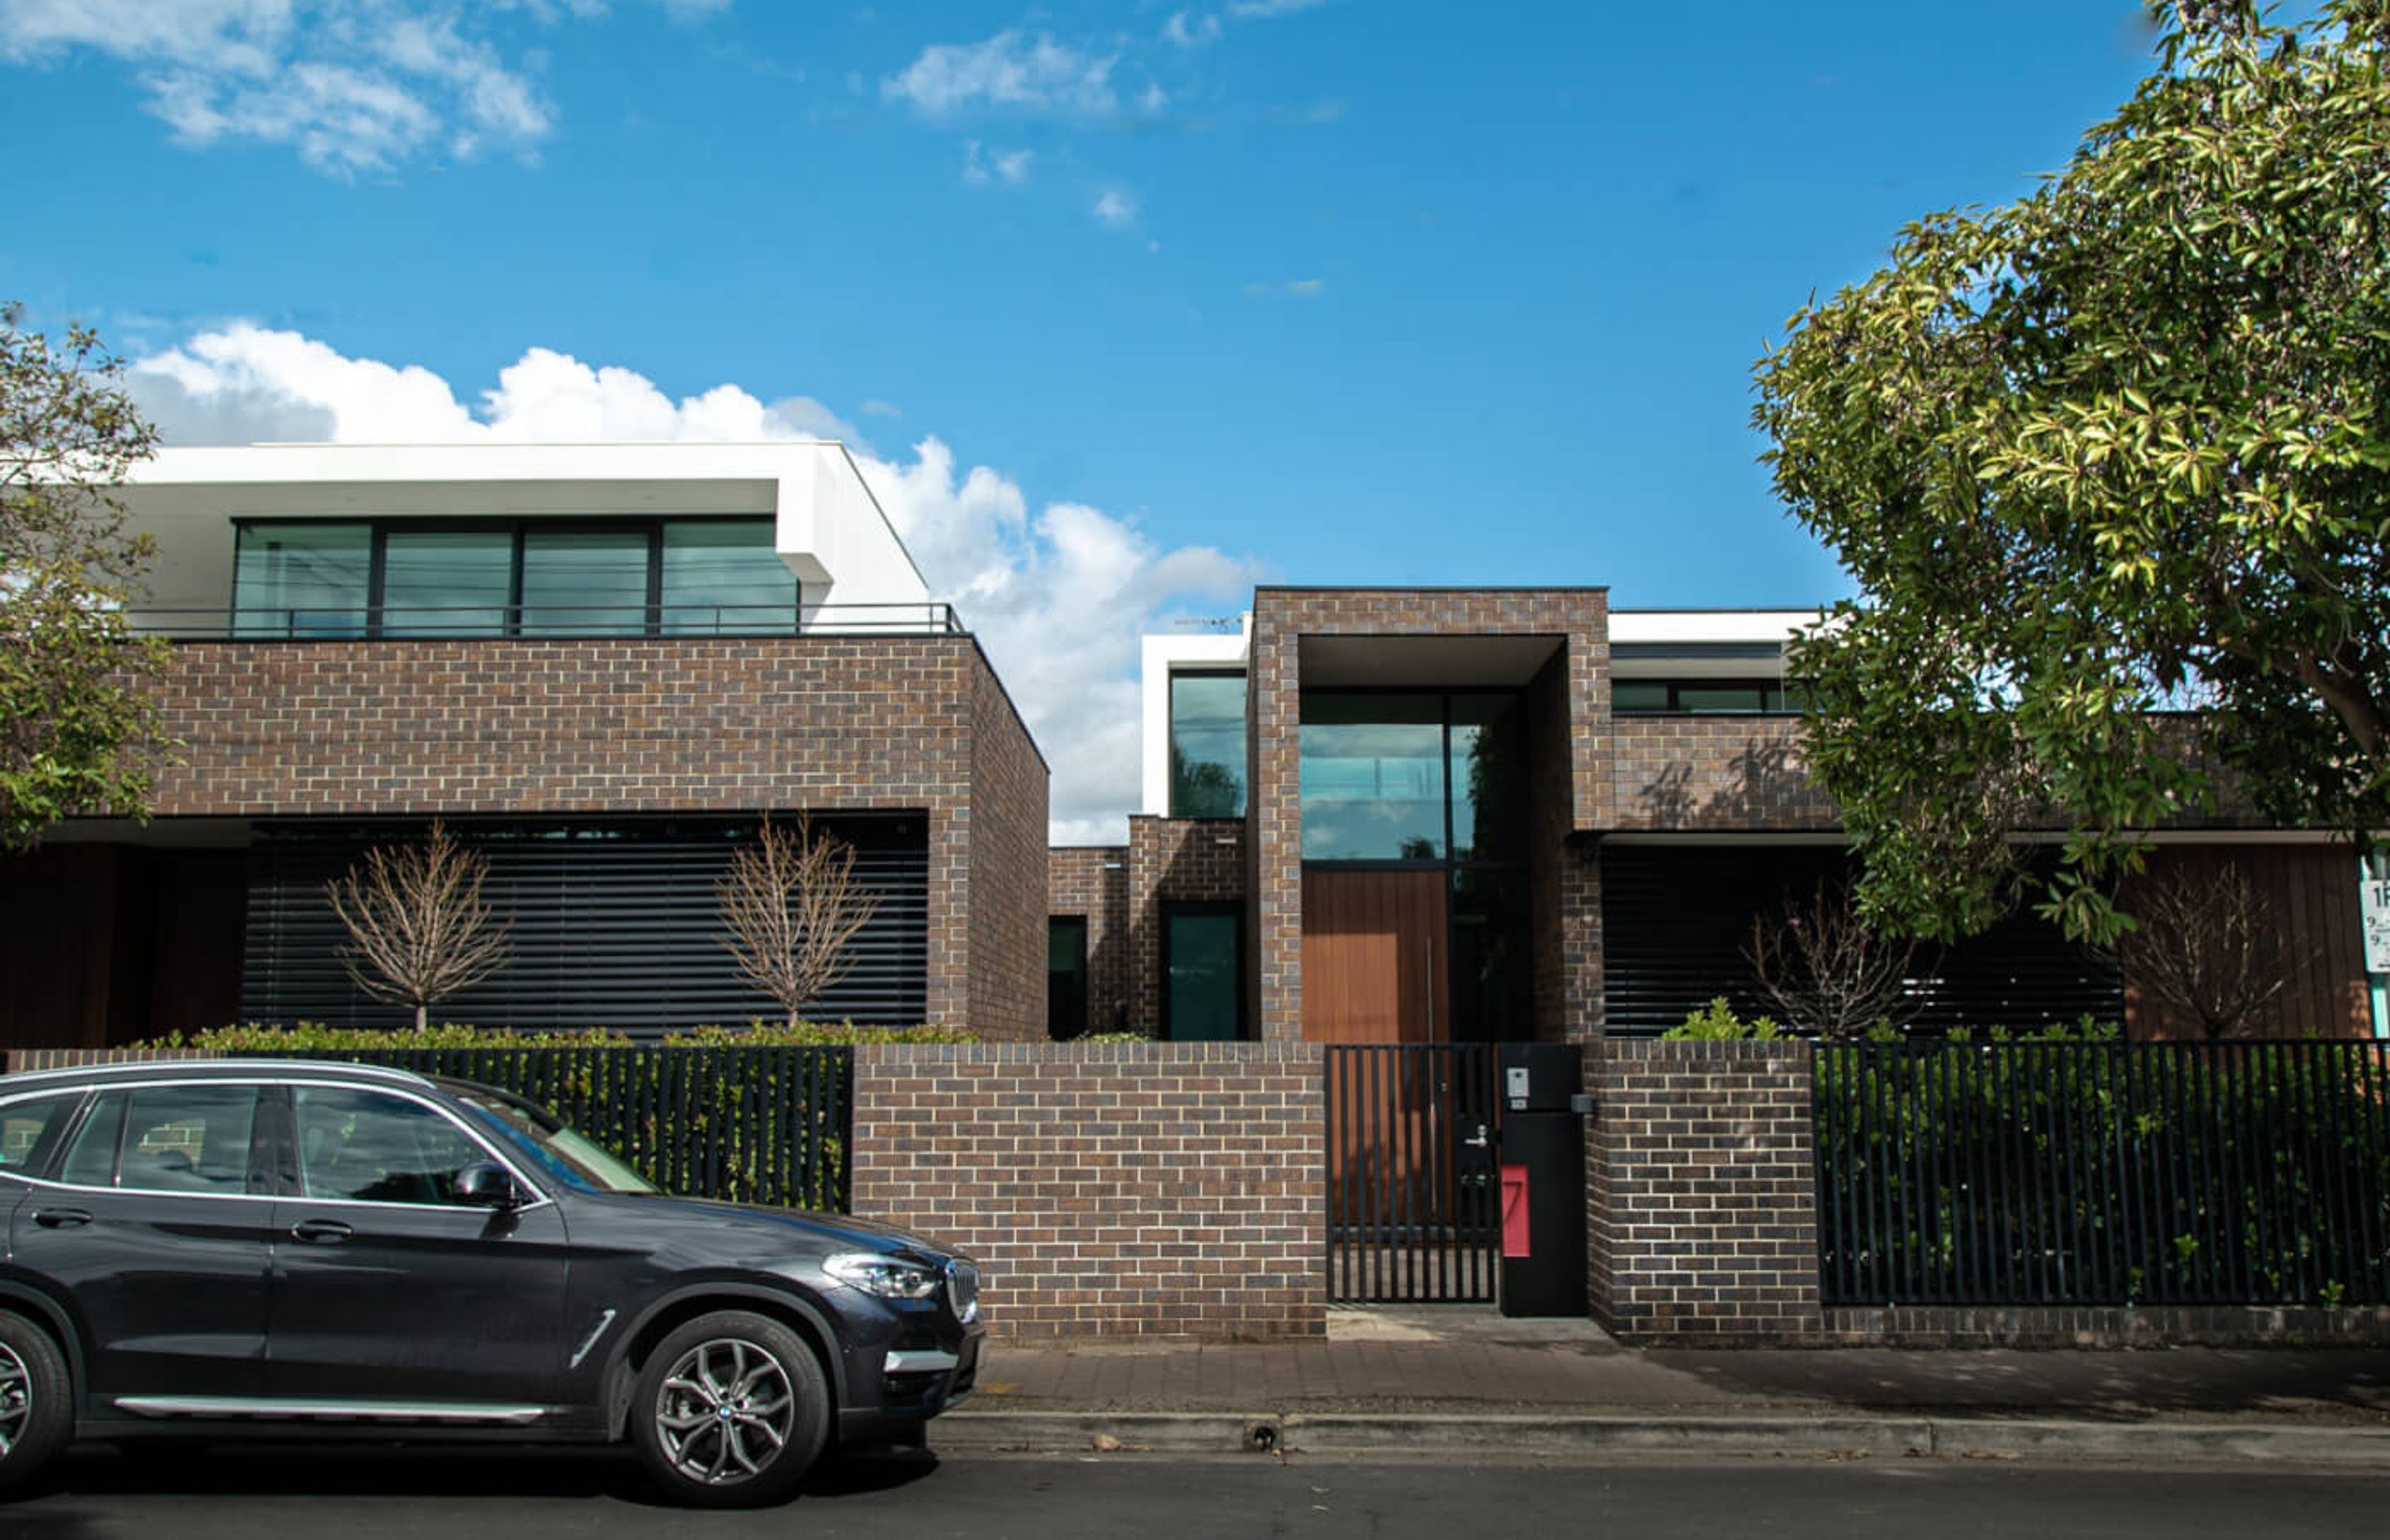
column 557, row 1147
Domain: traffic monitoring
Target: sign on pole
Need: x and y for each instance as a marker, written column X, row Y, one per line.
column 2373, row 898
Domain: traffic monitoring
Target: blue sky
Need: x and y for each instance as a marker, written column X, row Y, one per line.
column 1132, row 305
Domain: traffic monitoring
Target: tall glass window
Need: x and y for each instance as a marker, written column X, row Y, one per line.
column 584, row 582
column 1207, row 745
column 301, row 580
column 723, row 577
column 446, row 582
column 1488, row 778
column 1372, row 781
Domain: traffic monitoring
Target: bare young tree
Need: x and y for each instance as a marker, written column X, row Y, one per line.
column 791, row 904
column 2204, row 948
column 1824, row 969
column 418, row 929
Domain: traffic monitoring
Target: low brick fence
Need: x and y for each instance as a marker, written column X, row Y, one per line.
column 1154, row 1189
column 1179, row 1191
column 1700, row 1191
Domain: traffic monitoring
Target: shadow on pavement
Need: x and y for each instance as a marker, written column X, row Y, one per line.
column 418, row 1471
column 2350, row 1384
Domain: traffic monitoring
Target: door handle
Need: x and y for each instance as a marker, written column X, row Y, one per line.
column 1477, row 1141
column 62, row 1219
column 322, row 1232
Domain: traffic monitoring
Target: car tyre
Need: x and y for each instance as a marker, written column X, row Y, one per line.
column 730, row 1410
column 36, row 1399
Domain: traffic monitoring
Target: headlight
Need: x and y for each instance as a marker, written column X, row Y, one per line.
column 890, row 1278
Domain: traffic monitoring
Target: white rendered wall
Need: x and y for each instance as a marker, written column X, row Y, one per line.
column 1164, row 653
column 829, row 530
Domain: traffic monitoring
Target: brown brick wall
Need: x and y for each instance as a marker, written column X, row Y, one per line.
column 1006, row 841
column 651, row 725
column 1174, row 859
column 1137, row 1189
column 672, row 724
column 1564, row 874
column 1713, row 774
column 1092, row 882
column 1701, row 1221
column 1283, row 617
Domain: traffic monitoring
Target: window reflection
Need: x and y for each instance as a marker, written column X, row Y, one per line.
column 584, row 582
column 631, row 577
column 1207, row 745
column 1372, row 778
column 446, row 582
column 725, row 579
column 301, row 580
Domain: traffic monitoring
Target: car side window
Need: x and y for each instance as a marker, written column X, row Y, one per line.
column 370, row 1147
column 166, row 1138
column 31, row 1126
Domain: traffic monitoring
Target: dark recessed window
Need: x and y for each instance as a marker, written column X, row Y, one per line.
column 1066, row 976
column 621, row 577
column 1704, row 697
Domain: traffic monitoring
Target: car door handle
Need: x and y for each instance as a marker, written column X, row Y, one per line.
column 62, row 1219
column 323, row 1232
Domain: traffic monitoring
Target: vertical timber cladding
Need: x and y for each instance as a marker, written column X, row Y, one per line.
column 1676, row 927
column 613, row 924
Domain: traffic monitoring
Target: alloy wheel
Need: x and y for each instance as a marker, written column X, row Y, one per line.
column 724, row 1411
column 16, row 1399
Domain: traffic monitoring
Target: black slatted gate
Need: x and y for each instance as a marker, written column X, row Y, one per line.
column 1412, row 1204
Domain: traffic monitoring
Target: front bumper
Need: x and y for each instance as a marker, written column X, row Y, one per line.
column 914, row 1385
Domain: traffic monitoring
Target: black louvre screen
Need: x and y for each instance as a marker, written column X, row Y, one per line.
column 612, row 925
column 1677, row 922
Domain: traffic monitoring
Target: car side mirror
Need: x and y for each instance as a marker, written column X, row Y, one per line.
column 487, row 1184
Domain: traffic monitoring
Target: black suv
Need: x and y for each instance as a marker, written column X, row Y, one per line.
column 220, row 1249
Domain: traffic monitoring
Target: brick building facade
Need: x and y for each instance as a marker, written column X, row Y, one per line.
column 1659, row 812
column 606, row 774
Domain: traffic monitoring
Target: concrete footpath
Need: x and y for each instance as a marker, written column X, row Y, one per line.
column 1463, row 1379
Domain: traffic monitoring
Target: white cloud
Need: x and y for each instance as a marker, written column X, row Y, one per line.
column 1058, row 597
column 1115, row 208
column 353, row 85
column 1199, row 33
column 1009, row 70
column 1261, row 10
column 985, row 165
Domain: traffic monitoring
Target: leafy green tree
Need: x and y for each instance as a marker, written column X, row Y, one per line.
column 2113, row 451
column 78, row 730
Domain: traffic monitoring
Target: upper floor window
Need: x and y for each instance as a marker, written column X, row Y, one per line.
column 1704, row 697
column 532, row 578
column 1386, row 777
column 1207, row 745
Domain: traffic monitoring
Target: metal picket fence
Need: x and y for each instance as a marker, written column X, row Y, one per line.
column 769, row 1125
column 2057, row 1173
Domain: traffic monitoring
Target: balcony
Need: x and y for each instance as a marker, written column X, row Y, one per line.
column 547, row 622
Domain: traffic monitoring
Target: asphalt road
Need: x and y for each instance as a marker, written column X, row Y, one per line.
column 453, row 1495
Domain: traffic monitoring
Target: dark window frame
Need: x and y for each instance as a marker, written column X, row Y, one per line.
column 1244, row 735
column 1446, row 695
column 1779, row 691
column 379, row 529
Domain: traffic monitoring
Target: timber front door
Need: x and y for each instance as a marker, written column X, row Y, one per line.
column 1374, row 968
